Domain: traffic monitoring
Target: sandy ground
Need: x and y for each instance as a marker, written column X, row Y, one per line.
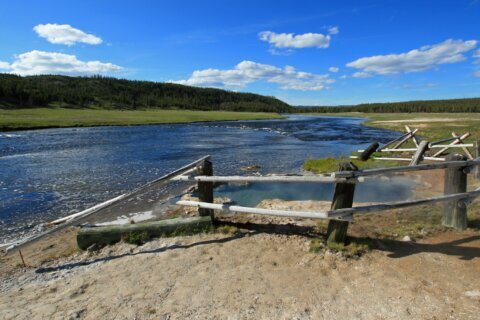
column 253, row 276
column 264, row 271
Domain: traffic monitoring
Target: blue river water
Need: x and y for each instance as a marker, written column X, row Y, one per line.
column 45, row 174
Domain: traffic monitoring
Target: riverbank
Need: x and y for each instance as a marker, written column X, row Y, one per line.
column 432, row 126
column 41, row 118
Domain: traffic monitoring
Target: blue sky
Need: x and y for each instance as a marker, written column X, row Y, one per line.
column 303, row 52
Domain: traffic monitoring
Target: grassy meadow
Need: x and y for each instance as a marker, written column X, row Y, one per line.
column 35, row 118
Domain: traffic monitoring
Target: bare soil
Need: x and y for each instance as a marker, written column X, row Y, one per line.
column 265, row 270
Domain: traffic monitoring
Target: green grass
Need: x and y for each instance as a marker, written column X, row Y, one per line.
column 354, row 249
column 325, row 165
column 35, row 118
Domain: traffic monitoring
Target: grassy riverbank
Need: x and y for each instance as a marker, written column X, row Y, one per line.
column 36, row 118
column 431, row 126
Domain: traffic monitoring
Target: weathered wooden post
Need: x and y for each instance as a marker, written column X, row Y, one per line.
column 365, row 155
column 342, row 198
column 476, row 171
column 418, row 156
column 455, row 212
column 205, row 189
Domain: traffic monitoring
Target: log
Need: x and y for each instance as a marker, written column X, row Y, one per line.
column 455, row 212
column 467, row 152
column 456, row 141
column 393, row 150
column 409, row 136
column 342, row 198
column 418, row 156
column 401, row 159
column 466, row 196
column 268, row 212
column 414, row 137
column 107, row 235
column 476, row 172
column 394, row 140
column 420, row 167
column 365, row 155
column 205, row 188
column 438, row 142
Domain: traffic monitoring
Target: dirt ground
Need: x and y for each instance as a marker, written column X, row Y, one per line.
column 264, row 268
column 253, row 276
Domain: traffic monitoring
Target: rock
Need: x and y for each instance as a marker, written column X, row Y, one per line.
column 407, row 239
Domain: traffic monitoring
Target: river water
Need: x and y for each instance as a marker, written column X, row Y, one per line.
column 46, row 174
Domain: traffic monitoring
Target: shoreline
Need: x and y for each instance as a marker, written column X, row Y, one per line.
column 61, row 118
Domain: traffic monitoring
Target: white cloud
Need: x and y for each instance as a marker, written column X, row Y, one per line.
column 477, row 73
column 476, row 54
column 65, row 34
column 333, row 30
column 41, row 62
column 248, row 71
column 361, row 74
column 333, row 69
column 290, row 40
column 4, row 65
column 427, row 57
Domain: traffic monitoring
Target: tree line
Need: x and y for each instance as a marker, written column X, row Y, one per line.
column 111, row 93
column 450, row 105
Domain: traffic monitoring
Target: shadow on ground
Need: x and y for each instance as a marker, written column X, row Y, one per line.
column 396, row 248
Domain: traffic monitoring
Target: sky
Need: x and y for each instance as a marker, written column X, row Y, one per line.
column 303, row 52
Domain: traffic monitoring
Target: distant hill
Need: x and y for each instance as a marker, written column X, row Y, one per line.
column 111, row 93
column 451, row 105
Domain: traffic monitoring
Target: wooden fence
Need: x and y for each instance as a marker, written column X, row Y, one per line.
column 455, row 196
column 421, row 149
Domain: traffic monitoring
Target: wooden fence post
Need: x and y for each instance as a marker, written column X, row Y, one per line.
column 455, row 212
column 342, row 198
column 476, row 171
column 205, row 189
column 418, row 156
column 365, row 155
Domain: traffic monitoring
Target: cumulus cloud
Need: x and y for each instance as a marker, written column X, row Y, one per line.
column 248, row 71
column 427, row 57
column 4, row 65
column 41, row 62
column 361, row 74
column 333, row 30
column 290, row 40
column 65, row 34
column 333, row 69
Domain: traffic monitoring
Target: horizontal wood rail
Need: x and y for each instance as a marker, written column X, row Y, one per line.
column 283, row 179
column 402, row 204
column 339, row 214
column 418, row 167
column 268, row 212
column 430, row 146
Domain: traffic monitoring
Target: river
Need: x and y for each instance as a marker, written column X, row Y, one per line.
column 45, row 174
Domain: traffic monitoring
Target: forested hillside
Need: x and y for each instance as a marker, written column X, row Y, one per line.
column 451, row 105
column 111, row 93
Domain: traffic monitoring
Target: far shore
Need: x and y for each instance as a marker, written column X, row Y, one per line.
column 45, row 118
